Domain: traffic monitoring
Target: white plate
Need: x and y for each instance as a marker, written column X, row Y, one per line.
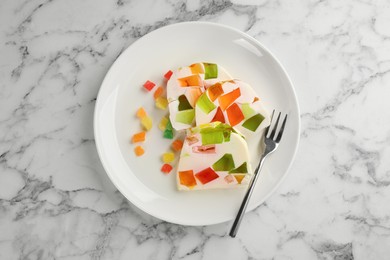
column 139, row 178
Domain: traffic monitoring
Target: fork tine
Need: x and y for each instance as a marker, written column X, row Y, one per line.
column 267, row 129
column 275, row 127
column 281, row 130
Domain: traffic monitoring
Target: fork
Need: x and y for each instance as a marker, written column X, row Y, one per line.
column 271, row 143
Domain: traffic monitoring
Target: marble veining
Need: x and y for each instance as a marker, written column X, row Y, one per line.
column 56, row 201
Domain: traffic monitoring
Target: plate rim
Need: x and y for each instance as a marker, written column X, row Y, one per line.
column 99, row 144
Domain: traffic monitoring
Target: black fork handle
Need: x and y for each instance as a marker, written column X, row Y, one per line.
column 244, row 204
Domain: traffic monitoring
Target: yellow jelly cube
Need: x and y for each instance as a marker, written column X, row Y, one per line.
column 168, row 157
column 161, row 103
column 163, row 123
column 147, row 122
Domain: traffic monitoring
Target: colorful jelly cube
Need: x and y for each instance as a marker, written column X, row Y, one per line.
column 229, row 179
column 247, row 110
column 166, row 168
column 168, row 134
column 161, row 103
column 141, row 113
column 191, row 81
column 219, row 116
column 163, row 123
column 253, row 122
column 226, row 100
column 148, row 85
column 211, row 70
column 158, row 92
column 206, row 175
column 243, row 168
column 168, row 75
column 184, row 104
column 139, row 137
column 206, row 149
column 138, row 150
column 197, row 68
column 147, row 122
column 234, row 114
column 215, row 91
column 186, row 116
column 205, row 104
column 239, row 177
column 215, row 137
column 177, row 145
column 187, row 178
column 168, row 157
column 225, row 163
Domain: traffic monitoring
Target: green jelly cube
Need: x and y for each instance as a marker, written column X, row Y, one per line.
column 205, row 104
column 169, row 125
column 253, row 122
column 225, row 163
column 168, row 134
column 240, row 169
column 185, row 116
column 183, row 103
column 211, row 70
column 212, row 137
column 247, row 110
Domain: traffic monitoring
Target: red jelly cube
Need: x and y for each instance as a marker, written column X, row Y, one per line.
column 168, row 75
column 218, row 117
column 148, row 85
column 166, row 168
column 206, row 175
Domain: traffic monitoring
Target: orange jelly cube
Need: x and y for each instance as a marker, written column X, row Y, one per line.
column 226, row 100
column 141, row 113
column 215, row 91
column 191, row 81
column 197, row 68
column 234, row 114
column 138, row 150
column 177, row 145
column 158, row 92
column 187, row 178
column 239, row 177
column 139, row 137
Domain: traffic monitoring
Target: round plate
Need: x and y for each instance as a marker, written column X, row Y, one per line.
column 139, row 178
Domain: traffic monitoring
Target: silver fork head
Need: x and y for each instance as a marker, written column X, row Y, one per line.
column 273, row 139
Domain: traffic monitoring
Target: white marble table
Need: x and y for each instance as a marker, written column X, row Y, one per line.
column 56, row 201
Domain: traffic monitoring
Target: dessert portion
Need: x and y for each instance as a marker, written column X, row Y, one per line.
column 220, row 115
column 185, row 86
column 213, row 156
column 233, row 102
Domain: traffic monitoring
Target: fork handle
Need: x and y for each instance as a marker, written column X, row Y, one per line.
column 244, row 204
